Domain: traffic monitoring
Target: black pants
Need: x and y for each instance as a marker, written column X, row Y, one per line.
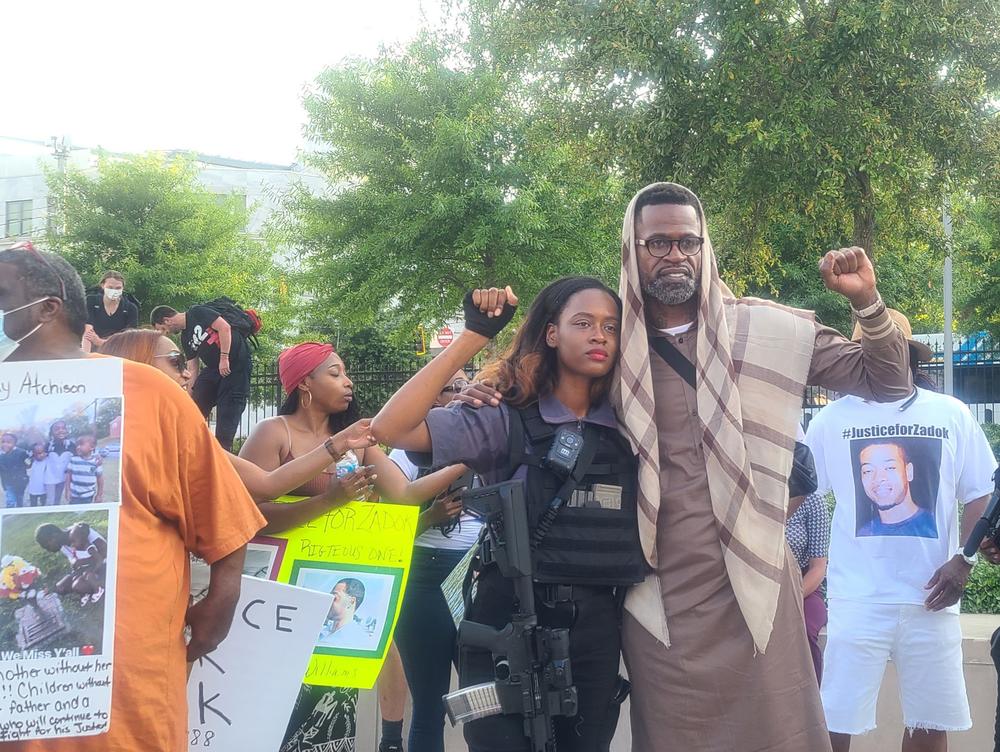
column 228, row 395
column 595, row 654
column 425, row 637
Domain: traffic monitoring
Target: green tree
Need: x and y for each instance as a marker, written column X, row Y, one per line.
column 805, row 124
column 977, row 264
column 176, row 242
column 445, row 180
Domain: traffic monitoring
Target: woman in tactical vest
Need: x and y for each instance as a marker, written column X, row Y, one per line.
column 557, row 434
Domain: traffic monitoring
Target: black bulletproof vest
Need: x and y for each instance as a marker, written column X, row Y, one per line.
column 586, row 545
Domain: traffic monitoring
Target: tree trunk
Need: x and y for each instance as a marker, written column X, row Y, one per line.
column 864, row 214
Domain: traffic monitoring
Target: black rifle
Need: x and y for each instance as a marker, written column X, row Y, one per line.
column 987, row 525
column 533, row 676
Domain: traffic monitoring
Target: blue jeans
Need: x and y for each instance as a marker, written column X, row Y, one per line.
column 425, row 636
column 14, row 496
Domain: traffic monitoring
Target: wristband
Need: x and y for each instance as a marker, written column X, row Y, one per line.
column 869, row 311
column 225, row 354
column 331, row 449
column 478, row 322
column 970, row 560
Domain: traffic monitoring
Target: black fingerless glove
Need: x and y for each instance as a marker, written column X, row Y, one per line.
column 802, row 481
column 478, row 322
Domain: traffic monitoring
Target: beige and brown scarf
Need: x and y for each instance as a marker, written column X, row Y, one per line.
column 752, row 363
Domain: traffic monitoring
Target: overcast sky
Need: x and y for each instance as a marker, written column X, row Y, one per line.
column 217, row 76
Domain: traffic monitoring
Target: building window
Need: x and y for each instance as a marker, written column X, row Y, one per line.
column 18, row 218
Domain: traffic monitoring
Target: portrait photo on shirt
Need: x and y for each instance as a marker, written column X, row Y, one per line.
column 896, row 483
column 53, row 573
column 365, row 600
column 61, row 450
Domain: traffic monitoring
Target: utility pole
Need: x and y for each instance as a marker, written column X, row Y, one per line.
column 949, row 384
column 60, row 150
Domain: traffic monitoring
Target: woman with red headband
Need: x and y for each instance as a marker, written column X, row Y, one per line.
column 152, row 348
column 320, row 402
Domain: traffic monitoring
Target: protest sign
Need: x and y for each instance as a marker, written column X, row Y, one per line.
column 61, row 444
column 451, row 586
column 241, row 694
column 360, row 553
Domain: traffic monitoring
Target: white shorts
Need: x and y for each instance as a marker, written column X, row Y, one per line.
column 926, row 648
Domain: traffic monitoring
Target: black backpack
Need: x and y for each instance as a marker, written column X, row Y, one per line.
column 245, row 321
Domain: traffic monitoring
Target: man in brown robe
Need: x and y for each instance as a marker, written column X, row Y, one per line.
column 709, row 392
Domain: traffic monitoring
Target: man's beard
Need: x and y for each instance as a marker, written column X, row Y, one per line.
column 670, row 292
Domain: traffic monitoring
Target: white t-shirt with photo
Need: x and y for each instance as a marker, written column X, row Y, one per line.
column 351, row 636
column 898, row 471
column 465, row 534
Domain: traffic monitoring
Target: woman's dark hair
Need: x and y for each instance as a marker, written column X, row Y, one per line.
column 336, row 421
column 529, row 367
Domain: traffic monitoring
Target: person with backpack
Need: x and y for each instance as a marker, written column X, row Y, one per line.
column 218, row 334
column 109, row 310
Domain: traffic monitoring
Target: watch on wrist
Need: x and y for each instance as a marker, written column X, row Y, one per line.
column 970, row 560
column 871, row 310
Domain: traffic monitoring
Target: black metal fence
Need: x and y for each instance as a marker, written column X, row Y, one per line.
column 374, row 383
column 976, row 382
column 976, row 377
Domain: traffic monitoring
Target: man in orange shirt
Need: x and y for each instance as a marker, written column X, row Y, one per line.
column 179, row 494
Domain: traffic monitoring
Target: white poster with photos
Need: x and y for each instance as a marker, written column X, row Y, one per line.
column 60, row 467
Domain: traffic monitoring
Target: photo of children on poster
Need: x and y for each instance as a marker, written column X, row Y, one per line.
column 896, row 482
column 54, row 573
column 64, row 449
column 60, row 462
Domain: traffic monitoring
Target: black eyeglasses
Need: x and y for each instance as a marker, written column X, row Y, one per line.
column 177, row 359
column 660, row 246
column 27, row 245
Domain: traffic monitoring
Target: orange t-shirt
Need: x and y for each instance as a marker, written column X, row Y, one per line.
column 179, row 494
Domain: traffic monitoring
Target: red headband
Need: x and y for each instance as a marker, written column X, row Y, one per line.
column 295, row 363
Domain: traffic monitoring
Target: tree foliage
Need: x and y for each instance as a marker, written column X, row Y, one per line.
column 445, row 179
column 977, row 253
column 805, row 124
column 175, row 242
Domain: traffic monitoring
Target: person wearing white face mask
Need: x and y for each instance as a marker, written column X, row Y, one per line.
column 180, row 496
column 109, row 311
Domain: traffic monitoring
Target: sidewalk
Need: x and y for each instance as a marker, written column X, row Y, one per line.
column 980, row 677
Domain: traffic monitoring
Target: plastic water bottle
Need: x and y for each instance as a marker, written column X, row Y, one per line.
column 347, row 464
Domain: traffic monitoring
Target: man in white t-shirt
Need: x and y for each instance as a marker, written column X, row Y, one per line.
column 342, row 628
column 898, row 472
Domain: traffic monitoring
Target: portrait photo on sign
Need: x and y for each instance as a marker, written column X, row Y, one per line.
column 61, row 450
column 365, row 600
column 53, row 579
column 896, row 484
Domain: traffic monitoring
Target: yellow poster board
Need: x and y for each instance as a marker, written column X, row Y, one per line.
column 360, row 552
